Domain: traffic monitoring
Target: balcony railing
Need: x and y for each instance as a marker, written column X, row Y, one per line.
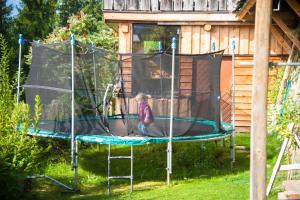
column 169, row 5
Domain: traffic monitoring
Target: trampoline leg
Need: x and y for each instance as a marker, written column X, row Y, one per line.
column 108, row 170
column 169, row 163
column 68, row 188
column 131, row 169
column 75, row 166
column 232, row 151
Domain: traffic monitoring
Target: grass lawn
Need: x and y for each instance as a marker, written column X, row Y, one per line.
column 201, row 171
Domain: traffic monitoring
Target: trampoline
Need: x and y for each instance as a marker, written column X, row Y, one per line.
column 88, row 95
column 91, row 135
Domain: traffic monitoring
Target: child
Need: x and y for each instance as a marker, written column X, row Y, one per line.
column 145, row 115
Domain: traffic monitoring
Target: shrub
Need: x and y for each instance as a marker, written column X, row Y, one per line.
column 19, row 153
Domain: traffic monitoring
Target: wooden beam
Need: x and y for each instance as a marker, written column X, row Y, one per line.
column 245, row 9
column 168, row 17
column 219, row 23
column 258, row 155
column 294, row 5
column 286, row 30
column 277, row 164
column 280, row 39
column 290, row 167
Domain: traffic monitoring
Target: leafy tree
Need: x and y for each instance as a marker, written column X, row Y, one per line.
column 93, row 8
column 88, row 30
column 36, row 19
column 5, row 12
column 67, row 8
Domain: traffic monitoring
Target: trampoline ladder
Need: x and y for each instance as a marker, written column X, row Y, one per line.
column 109, row 177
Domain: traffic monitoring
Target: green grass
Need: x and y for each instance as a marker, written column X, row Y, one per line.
column 200, row 171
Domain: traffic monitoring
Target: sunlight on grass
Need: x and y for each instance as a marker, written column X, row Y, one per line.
column 201, row 171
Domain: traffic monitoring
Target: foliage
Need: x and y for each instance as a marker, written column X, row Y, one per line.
column 36, row 19
column 19, row 154
column 289, row 116
column 93, row 8
column 67, row 8
column 87, row 29
column 5, row 12
column 37, row 112
column 5, row 86
column 274, row 84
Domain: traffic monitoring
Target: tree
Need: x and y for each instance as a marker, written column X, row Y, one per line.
column 88, row 30
column 5, row 11
column 36, row 19
column 67, row 8
column 93, row 8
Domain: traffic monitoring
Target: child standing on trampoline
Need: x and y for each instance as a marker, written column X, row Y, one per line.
column 145, row 115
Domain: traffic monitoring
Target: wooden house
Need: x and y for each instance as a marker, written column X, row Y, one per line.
column 199, row 25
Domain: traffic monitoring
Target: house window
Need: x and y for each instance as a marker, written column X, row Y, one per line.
column 152, row 74
column 146, row 38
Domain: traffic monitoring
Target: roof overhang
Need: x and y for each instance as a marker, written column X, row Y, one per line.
column 245, row 9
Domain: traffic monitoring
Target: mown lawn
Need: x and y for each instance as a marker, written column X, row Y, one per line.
column 201, row 171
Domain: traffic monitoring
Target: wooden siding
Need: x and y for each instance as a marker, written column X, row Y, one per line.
column 243, row 90
column 169, row 5
column 195, row 40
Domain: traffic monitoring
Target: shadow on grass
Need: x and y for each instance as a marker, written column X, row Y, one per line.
column 190, row 160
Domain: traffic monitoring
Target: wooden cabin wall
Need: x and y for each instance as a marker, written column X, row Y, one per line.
column 195, row 40
column 243, row 90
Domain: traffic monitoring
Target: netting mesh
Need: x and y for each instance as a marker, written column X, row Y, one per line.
column 196, row 91
column 50, row 77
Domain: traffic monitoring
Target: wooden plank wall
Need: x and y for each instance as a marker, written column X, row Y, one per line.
column 169, row 5
column 195, row 40
column 243, row 87
column 186, row 72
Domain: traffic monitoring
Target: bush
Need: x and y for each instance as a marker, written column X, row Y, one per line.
column 19, row 153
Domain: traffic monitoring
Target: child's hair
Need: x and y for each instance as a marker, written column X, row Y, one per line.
column 142, row 96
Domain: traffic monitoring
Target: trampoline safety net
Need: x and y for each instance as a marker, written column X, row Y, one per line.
column 102, row 110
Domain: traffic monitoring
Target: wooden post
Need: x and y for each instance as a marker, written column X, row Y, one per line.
column 259, row 100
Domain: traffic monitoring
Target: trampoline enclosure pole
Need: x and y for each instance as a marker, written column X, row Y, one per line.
column 161, row 83
column 232, row 139
column 95, row 78
column 73, row 142
column 169, row 151
column 20, row 41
